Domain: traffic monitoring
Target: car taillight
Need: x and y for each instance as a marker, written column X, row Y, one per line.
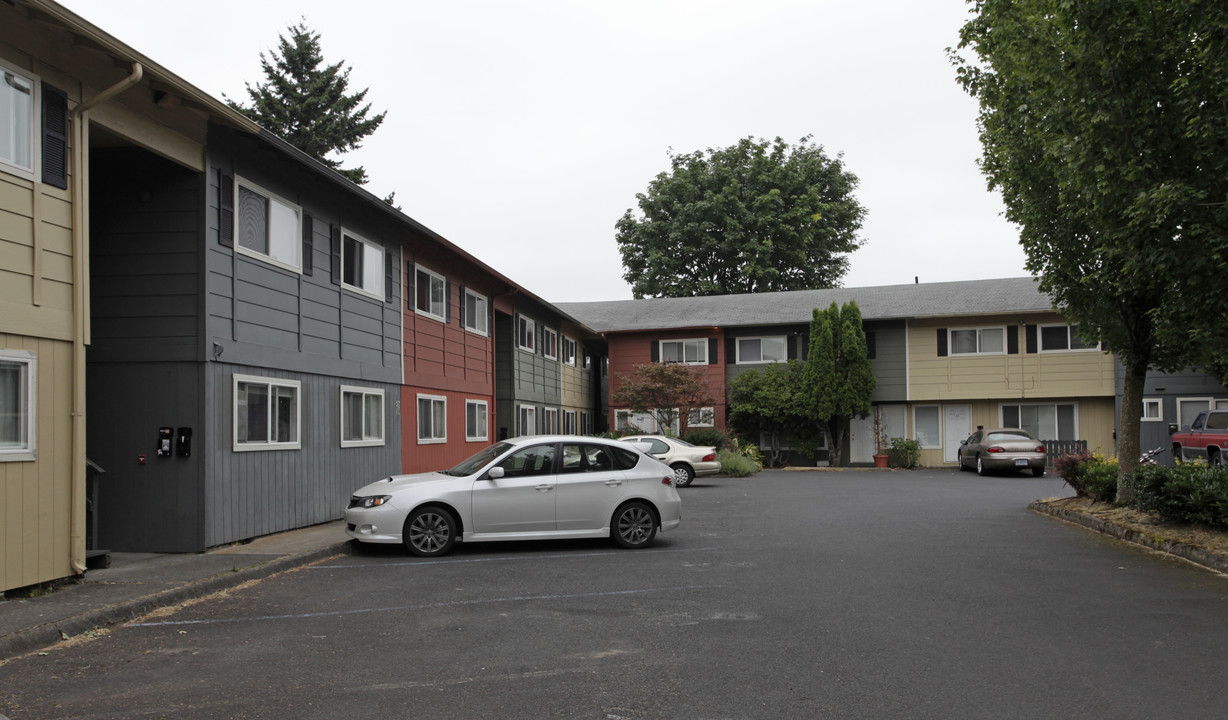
column 667, row 481
column 709, row 457
column 1040, row 448
column 996, row 449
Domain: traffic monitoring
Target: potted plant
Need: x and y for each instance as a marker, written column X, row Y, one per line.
column 880, row 441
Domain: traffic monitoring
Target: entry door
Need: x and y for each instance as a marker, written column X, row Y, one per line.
column 956, row 426
column 861, row 440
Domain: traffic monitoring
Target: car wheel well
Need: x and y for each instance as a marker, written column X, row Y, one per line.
column 656, row 514
column 456, row 516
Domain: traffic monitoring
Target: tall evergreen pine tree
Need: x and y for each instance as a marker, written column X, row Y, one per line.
column 307, row 105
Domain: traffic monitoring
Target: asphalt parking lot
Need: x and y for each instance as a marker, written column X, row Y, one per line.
column 929, row 594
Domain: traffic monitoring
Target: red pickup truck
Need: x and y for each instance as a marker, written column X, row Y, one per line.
column 1206, row 439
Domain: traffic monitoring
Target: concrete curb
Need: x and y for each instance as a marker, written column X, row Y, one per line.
column 45, row 636
column 1209, row 560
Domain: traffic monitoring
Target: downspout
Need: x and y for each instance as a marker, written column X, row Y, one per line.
column 81, row 320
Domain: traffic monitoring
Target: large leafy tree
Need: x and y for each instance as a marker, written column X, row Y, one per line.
column 308, row 104
column 837, row 379
column 1105, row 125
column 668, row 391
column 753, row 217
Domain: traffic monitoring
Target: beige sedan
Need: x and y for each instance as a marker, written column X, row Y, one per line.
column 1002, row 449
column 688, row 461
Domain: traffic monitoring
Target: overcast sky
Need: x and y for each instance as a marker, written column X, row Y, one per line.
column 521, row 131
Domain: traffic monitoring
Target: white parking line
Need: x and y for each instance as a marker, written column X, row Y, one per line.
column 426, row 606
column 450, row 561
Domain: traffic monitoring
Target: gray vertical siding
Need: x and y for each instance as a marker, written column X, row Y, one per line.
column 890, row 361
column 253, row 493
column 1168, row 387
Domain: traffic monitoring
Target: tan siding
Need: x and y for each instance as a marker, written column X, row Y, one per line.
column 35, row 496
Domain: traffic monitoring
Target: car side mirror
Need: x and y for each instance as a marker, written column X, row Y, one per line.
column 494, row 473
column 1172, row 428
column 963, row 442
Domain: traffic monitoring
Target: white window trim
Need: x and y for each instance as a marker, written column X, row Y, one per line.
column 1210, row 401
column 1040, row 343
column 586, row 423
column 563, row 349
column 532, row 333
column 297, row 443
column 1055, row 404
column 951, row 341
column 378, row 292
column 485, row 426
column 520, row 429
column 550, row 417
column 547, row 335
column 33, row 172
column 703, row 343
column 570, row 418
column 29, row 451
column 443, row 318
column 1159, row 405
column 915, row 408
column 484, row 332
column 433, row 439
column 298, row 229
column 737, row 345
column 367, row 441
column 709, row 410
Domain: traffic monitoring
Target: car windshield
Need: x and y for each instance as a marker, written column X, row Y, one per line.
column 477, row 461
column 1008, row 436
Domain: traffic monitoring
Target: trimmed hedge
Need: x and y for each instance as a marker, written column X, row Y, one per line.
column 1189, row 492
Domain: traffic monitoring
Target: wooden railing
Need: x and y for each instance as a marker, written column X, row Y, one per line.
column 1057, row 448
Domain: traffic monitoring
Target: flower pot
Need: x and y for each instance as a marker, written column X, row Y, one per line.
column 880, row 461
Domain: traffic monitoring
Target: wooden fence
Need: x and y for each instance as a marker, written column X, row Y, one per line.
column 1057, row 448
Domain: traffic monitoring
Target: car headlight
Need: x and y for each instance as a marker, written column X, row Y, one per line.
column 370, row 501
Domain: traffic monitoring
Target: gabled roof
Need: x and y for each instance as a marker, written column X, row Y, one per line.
column 887, row 302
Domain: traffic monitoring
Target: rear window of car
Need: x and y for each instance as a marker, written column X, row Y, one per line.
column 1008, row 436
column 625, row 459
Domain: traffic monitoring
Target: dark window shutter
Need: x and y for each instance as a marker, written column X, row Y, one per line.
column 942, row 342
column 225, row 209
column 389, row 279
column 871, row 345
column 791, row 342
column 1030, row 336
column 409, row 284
column 464, row 302
column 334, row 249
column 447, row 301
column 1012, row 339
column 731, row 350
column 713, row 344
column 655, row 353
column 55, row 136
column 309, row 261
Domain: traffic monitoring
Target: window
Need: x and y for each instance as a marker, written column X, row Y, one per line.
column 569, row 351
column 267, row 226
column 927, row 426
column 1153, row 410
column 18, row 101
column 362, row 417
column 701, row 417
column 550, row 421
column 526, row 333
column 267, row 413
column 362, row 265
column 535, row 460
column 762, row 350
column 476, row 425
column 978, row 341
column 689, row 352
column 586, row 423
column 1055, row 338
column 569, row 422
column 1046, row 421
column 550, row 343
column 17, row 405
column 432, row 419
column 1188, row 409
column 477, row 317
column 430, row 294
column 526, row 420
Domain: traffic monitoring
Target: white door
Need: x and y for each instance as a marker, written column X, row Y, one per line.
column 861, row 440
column 956, row 426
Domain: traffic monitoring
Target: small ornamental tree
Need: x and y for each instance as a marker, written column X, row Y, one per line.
column 667, row 391
column 308, row 105
column 764, row 402
column 837, row 379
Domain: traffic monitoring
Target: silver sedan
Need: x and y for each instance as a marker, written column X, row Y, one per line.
column 1002, row 449
column 688, row 461
column 528, row 488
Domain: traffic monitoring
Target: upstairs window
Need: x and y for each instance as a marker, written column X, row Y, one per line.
column 17, row 404
column 762, row 350
column 569, row 351
column 430, row 290
column 267, row 226
column 978, row 341
column 18, row 93
column 1057, row 338
column 550, row 343
column 477, row 317
column 362, row 265
column 526, row 333
column 688, row 352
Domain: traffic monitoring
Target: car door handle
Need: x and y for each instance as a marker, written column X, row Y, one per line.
column 613, row 483
column 545, row 488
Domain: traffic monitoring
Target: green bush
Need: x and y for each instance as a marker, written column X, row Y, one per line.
column 905, row 452
column 709, row 436
column 1189, row 493
column 735, row 464
column 1090, row 475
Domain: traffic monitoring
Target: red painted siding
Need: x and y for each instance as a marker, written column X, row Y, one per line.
column 630, row 349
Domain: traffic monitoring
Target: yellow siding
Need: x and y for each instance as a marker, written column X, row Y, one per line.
column 1020, row 376
column 35, row 495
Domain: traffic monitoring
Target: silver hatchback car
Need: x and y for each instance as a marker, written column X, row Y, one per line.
column 528, row 488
